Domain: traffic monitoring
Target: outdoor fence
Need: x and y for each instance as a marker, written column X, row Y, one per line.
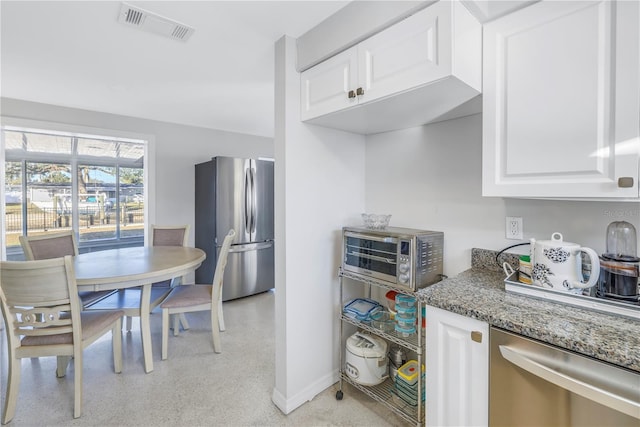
column 51, row 218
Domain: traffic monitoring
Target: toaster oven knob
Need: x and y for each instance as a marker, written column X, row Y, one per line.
column 403, row 267
column 404, row 278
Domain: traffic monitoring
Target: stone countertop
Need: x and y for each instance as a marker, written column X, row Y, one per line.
column 479, row 293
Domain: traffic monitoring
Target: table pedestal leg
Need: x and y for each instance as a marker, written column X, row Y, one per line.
column 145, row 327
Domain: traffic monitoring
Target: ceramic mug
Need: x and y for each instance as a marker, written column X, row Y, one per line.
column 557, row 264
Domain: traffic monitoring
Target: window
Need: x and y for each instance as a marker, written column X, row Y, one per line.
column 59, row 180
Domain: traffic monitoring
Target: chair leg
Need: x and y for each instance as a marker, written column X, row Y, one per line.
column 215, row 320
column 165, row 332
column 77, row 384
column 129, row 321
column 220, row 315
column 176, row 324
column 116, row 344
column 63, row 363
column 13, row 384
column 183, row 321
column 179, row 319
column 215, row 331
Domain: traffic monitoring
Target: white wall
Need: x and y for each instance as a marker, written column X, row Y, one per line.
column 177, row 149
column 429, row 177
column 319, row 188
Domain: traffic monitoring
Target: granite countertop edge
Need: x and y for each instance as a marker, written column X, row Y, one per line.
column 479, row 293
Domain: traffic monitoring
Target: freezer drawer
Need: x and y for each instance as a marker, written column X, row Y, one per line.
column 250, row 270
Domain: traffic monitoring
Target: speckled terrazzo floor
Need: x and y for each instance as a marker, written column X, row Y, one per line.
column 194, row 387
column 479, row 293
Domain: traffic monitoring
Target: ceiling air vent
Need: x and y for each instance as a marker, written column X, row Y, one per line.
column 154, row 23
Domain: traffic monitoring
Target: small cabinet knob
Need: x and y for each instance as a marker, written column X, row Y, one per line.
column 476, row 336
column 625, row 182
column 351, row 94
column 359, row 91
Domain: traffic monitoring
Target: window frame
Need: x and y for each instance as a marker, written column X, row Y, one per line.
column 80, row 131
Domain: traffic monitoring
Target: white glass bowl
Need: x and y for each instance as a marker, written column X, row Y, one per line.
column 376, row 221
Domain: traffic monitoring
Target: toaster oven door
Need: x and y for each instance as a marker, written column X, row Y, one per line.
column 371, row 256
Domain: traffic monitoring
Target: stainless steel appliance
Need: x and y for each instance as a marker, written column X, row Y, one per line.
column 536, row 384
column 403, row 257
column 236, row 193
column 620, row 265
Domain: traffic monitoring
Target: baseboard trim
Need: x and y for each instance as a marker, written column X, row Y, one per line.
column 287, row 405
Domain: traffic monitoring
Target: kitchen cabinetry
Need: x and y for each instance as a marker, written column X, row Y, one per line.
column 561, row 113
column 457, row 369
column 414, row 72
column 414, row 343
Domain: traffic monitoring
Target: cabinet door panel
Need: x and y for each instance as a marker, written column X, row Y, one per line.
column 551, row 118
column 406, row 55
column 457, row 365
column 551, row 101
column 324, row 88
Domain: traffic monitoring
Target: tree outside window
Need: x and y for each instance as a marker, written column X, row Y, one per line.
column 54, row 182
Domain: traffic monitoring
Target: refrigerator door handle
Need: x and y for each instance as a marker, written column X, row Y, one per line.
column 247, row 199
column 254, row 201
column 251, row 247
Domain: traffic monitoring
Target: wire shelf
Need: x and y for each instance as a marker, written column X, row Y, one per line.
column 382, row 393
column 410, row 342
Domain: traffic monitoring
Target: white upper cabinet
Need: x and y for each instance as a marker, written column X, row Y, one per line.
column 561, row 105
column 325, row 87
column 417, row 71
column 404, row 56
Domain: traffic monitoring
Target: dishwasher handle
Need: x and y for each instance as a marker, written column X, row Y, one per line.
column 567, row 382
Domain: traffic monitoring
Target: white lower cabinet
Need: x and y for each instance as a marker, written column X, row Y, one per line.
column 457, row 369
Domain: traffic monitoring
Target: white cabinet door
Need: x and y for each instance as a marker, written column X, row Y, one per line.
column 457, row 369
column 403, row 56
column 325, row 87
column 406, row 55
column 416, row 71
column 560, row 101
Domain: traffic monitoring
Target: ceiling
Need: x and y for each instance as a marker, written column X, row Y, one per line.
column 76, row 54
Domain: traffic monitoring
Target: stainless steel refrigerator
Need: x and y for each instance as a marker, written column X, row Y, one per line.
column 236, row 193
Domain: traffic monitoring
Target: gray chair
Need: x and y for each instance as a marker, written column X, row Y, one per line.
column 43, row 317
column 55, row 245
column 190, row 298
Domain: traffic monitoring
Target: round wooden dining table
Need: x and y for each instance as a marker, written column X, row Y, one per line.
column 136, row 266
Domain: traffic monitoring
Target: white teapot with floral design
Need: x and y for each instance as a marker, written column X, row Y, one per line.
column 558, row 265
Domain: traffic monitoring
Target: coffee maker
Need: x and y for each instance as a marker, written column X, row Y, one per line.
column 620, row 265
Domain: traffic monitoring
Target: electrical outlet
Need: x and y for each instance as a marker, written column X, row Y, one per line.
column 513, row 228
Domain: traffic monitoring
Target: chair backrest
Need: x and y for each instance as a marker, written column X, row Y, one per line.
column 222, row 260
column 164, row 235
column 34, row 294
column 47, row 246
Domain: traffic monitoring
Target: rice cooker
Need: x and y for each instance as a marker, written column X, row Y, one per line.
column 366, row 359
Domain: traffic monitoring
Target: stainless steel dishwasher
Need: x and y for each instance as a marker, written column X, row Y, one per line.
column 536, row 384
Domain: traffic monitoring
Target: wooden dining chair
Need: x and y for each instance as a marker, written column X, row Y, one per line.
column 56, row 245
column 190, row 298
column 128, row 299
column 43, row 317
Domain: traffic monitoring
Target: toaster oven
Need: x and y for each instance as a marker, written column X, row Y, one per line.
column 401, row 257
